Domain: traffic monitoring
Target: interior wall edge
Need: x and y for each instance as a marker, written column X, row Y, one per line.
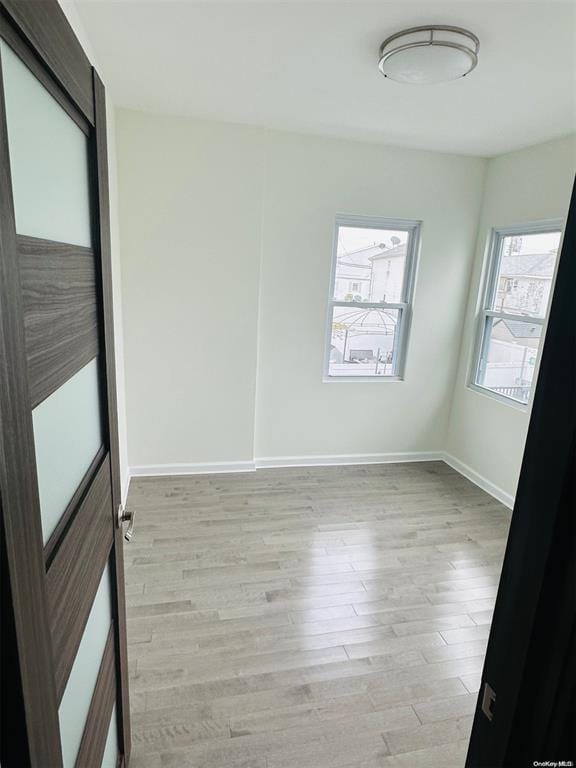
column 469, row 300
column 261, row 260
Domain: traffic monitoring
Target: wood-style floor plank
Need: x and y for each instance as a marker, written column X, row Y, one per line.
column 309, row 618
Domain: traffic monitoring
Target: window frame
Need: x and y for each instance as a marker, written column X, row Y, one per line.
column 487, row 297
column 414, row 229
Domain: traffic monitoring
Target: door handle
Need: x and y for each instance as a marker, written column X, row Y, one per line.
column 126, row 516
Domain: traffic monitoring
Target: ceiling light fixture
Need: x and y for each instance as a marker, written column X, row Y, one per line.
column 431, row 54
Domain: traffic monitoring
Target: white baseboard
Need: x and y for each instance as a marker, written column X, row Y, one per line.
column 157, row 470
column 344, row 459
column 505, row 498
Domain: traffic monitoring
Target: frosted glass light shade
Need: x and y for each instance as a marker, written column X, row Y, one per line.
column 426, row 55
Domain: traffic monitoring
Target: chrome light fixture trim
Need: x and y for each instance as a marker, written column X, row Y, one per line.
column 469, row 43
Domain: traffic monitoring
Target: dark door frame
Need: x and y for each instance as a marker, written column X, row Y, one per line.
column 40, row 32
column 530, row 660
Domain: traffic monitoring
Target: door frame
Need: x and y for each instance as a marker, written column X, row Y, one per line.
column 40, row 33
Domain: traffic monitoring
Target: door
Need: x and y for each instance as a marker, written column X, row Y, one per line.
column 64, row 655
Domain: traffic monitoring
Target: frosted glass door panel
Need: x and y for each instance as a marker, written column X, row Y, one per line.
column 82, row 681
column 48, row 159
column 67, row 437
column 110, row 758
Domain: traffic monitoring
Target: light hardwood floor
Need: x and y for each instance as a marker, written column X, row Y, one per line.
column 309, row 618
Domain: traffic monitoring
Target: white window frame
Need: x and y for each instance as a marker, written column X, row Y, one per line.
column 414, row 229
column 488, row 295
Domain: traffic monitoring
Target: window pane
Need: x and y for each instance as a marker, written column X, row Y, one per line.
column 67, row 437
column 110, row 758
column 48, row 159
column 509, row 359
column 370, row 264
column 77, row 696
column 363, row 342
column 525, row 273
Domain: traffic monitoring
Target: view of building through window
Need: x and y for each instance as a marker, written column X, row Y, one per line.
column 368, row 283
column 517, row 302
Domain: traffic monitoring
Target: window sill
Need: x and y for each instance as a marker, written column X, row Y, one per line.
column 361, row 379
column 503, row 399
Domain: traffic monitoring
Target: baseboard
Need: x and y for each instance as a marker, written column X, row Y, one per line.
column 158, row 470
column 505, row 498
column 344, row 459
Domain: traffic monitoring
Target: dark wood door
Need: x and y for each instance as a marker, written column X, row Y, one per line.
column 64, row 651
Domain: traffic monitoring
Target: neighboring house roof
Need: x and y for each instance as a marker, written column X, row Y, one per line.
column 528, row 264
column 390, row 253
column 359, row 258
column 363, row 256
column 520, row 330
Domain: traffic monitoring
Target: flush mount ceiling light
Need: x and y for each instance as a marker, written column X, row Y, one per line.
column 431, row 54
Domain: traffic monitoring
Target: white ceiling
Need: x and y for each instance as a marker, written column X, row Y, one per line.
column 312, row 67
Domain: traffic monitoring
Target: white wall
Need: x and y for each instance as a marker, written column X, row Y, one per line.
column 532, row 184
column 309, row 181
column 226, row 239
column 190, row 213
column 74, row 20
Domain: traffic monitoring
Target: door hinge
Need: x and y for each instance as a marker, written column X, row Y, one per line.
column 488, row 699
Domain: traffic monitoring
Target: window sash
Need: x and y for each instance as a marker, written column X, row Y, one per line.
column 517, row 318
column 495, row 256
column 368, row 304
column 401, row 340
column 404, row 308
column 487, row 312
column 486, row 338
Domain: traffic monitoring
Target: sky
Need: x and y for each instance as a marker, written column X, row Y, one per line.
column 542, row 243
column 354, row 238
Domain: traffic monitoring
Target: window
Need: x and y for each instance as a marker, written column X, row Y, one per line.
column 370, row 298
column 519, row 283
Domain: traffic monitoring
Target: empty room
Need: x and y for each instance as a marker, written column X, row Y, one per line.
column 288, row 383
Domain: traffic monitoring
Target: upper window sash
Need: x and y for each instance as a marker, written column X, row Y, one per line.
column 410, row 226
column 497, row 238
